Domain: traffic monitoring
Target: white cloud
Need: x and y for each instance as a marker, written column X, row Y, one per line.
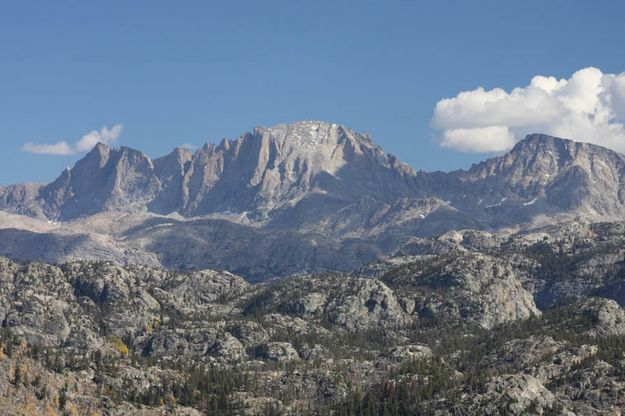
column 189, row 146
column 105, row 136
column 85, row 144
column 493, row 138
column 58, row 149
column 589, row 107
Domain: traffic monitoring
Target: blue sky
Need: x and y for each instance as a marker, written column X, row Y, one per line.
column 194, row 71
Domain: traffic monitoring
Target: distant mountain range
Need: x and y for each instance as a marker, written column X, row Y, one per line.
column 303, row 197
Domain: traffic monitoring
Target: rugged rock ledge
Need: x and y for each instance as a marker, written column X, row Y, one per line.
column 466, row 323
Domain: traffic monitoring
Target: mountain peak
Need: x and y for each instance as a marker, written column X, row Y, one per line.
column 174, row 160
column 538, row 141
column 298, row 125
column 97, row 157
column 181, row 153
column 277, row 167
column 312, row 133
column 100, row 148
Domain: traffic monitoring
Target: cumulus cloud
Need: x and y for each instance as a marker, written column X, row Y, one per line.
column 589, row 107
column 85, row 144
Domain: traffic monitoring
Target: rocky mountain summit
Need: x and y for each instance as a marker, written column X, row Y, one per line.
column 298, row 198
column 252, row 177
column 556, row 175
column 469, row 322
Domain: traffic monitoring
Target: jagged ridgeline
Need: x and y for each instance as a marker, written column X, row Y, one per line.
column 304, row 197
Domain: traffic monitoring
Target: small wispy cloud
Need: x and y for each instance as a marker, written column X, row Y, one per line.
column 105, row 135
column 58, row 149
column 188, row 146
column 85, row 144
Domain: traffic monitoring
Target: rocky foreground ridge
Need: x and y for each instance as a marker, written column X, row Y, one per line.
column 470, row 322
column 306, row 197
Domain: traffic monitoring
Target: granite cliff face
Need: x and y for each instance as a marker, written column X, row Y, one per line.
column 253, row 176
column 543, row 173
column 303, row 197
column 276, row 168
